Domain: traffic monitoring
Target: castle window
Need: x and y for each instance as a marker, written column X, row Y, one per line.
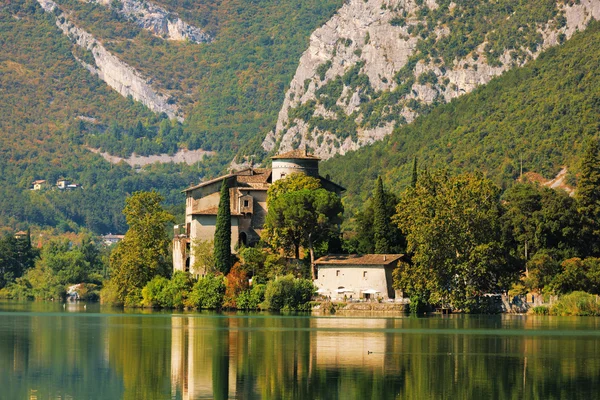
column 364, row 274
column 283, row 175
column 337, row 273
column 246, row 203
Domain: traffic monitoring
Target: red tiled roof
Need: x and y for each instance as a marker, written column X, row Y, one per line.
column 357, row 259
column 300, row 154
column 248, row 175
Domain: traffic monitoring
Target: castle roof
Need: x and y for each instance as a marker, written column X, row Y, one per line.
column 296, row 154
column 247, row 175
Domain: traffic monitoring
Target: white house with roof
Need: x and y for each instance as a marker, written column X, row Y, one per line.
column 352, row 276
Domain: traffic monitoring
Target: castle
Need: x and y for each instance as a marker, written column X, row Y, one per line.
column 248, row 200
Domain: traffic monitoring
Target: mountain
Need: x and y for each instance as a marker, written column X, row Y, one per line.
column 81, row 76
column 535, row 117
column 377, row 64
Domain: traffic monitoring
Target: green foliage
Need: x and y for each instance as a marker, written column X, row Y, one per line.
column 588, row 197
column 208, row 293
column 323, row 68
column 540, row 310
column 292, row 182
column 452, row 226
column 167, row 293
column 289, row 294
column 144, row 251
column 381, row 220
column 577, row 303
column 302, row 218
column 16, row 257
column 251, row 299
column 59, row 265
column 204, row 257
column 541, row 113
column 223, row 232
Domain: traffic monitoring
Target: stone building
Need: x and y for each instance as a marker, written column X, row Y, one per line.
column 355, row 276
column 248, row 199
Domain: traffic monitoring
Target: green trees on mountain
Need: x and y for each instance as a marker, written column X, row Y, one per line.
column 222, row 245
column 588, row 197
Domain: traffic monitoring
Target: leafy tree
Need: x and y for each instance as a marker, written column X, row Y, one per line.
column 236, row 283
column 251, row 299
column 588, row 197
column 208, row 292
column 293, row 182
column 204, row 257
column 452, row 226
column 16, row 257
column 223, row 232
column 288, row 293
column 144, row 251
column 302, row 218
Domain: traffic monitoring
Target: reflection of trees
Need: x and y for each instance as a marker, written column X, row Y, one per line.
column 54, row 356
column 250, row 357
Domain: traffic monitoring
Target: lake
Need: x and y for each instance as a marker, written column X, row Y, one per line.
column 51, row 351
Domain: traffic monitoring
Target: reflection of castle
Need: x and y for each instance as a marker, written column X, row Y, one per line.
column 221, row 357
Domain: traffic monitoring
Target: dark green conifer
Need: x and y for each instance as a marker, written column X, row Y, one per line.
column 414, row 174
column 588, row 198
column 223, row 232
column 380, row 220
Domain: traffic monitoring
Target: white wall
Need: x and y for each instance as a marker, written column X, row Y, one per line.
column 353, row 278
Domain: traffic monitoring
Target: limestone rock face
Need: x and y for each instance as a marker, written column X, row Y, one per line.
column 376, row 37
column 117, row 74
column 157, row 20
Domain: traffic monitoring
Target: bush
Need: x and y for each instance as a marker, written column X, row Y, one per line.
column 153, row 294
column 207, row 293
column 251, row 299
column 289, row 293
column 577, row 303
column 540, row 310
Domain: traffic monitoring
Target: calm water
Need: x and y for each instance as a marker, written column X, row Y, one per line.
column 51, row 352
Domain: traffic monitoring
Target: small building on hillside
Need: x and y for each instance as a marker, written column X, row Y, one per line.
column 40, row 184
column 352, row 276
column 111, row 239
column 62, row 183
column 248, row 204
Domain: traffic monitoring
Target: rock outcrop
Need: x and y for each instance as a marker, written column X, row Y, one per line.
column 157, row 20
column 376, row 47
column 117, row 74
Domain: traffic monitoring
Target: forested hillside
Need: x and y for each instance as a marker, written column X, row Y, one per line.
column 540, row 114
column 53, row 108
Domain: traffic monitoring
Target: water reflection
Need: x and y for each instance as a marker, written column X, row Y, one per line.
column 85, row 354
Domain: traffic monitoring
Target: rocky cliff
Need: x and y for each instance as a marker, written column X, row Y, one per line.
column 378, row 64
column 117, row 74
column 156, row 19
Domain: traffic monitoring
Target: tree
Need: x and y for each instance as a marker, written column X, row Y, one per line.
column 223, row 232
column 144, row 251
column 452, row 227
column 380, row 220
column 413, row 182
column 588, row 197
column 293, row 182
column 302, row 218
column 204, row 257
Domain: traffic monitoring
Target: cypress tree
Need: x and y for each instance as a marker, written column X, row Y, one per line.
column 588, row 198
column 223, row 232
column 414, row 174
column 380, row 220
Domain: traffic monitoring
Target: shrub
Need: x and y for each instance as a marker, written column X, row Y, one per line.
column 153, row 294
column 577, row 303
column 251, row 299
column 540, row 310
column 207, row 293
column 289, row 293
column 237, row 282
